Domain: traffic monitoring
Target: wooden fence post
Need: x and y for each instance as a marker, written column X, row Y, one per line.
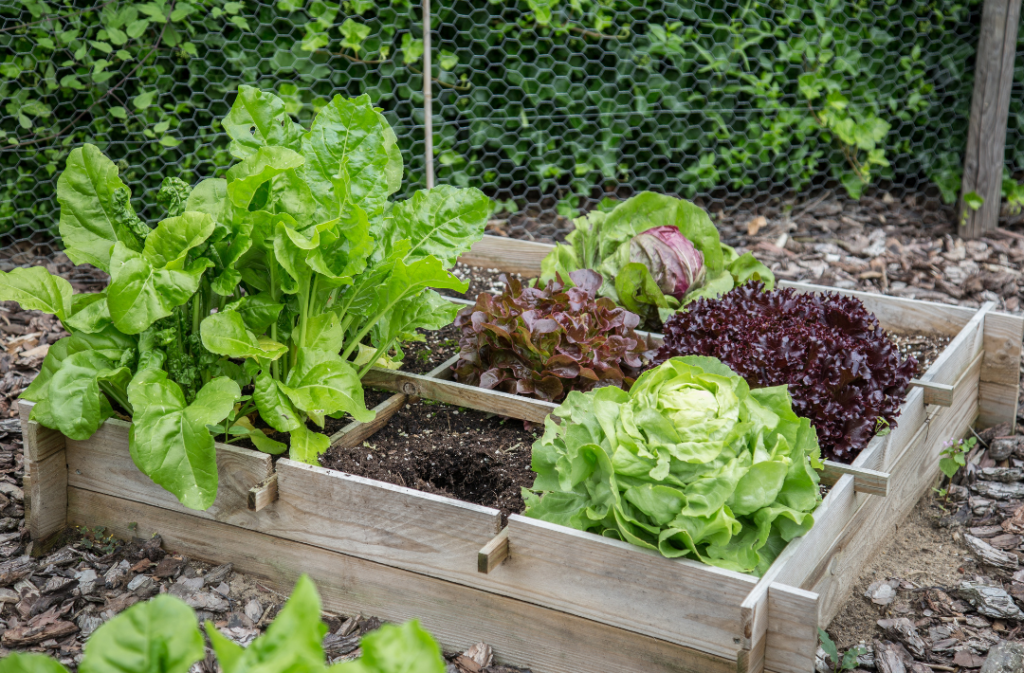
column 990, row 107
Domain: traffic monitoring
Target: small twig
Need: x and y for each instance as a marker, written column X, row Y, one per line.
column 592, row 33
column 980, row 440
column 352, row 58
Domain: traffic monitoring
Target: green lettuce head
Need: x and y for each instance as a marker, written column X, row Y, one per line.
column 690, row 462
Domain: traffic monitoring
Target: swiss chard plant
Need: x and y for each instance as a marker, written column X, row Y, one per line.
column 287, row 279
column 162, row 636
column 656, row 254
column 545, row 342
column 689, row 462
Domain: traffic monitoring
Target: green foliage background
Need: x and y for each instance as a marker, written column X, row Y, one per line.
column 533, row 97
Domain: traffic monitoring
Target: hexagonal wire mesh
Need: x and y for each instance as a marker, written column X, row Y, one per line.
column 547, row 105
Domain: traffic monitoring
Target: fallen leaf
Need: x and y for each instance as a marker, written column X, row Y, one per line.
column 756, row 224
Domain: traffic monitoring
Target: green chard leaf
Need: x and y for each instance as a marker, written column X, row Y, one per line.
column 141, row 293
column 91, row 219
column 16, row 662
column 36, row 290
column 443, row 222
column 226, row 334
column 169, row 440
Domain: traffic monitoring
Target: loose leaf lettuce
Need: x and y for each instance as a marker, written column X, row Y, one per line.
column 689, row 462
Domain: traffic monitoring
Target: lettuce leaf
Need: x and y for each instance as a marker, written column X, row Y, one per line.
column 689, row 462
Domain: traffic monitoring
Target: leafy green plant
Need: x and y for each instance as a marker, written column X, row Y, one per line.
column 848, row 661
column 952, row 457
column 161, row 636
column 273, row 277
column 689, row 462
column 643, row 273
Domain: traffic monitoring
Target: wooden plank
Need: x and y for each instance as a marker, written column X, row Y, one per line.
column 46, row 496
column 900, row 314
column 792, row 629
column 494, row 553
column 510, row 255
column 990, row 109
column 864, row 480
column 1003, row 336
column 263, row 493
column 381, row 522
column 678, row 600
column 355, row 432
column 520, row 632
column 997, row 404
column 103, row 463
column 450, row 392
column 40, row 442
column 934, row 393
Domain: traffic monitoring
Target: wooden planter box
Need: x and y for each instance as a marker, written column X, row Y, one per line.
column 544, row 596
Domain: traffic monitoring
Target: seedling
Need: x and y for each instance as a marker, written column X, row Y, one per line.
column 953, row 457
column 848, row 661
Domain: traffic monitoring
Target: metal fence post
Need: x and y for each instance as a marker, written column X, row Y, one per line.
column 428, row 112
column 990, row 108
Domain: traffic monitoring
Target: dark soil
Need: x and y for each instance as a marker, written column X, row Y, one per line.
column 441, row 449
column 925, row 348
column 423, row 356
column 480, row 280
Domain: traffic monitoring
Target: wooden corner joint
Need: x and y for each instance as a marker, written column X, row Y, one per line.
column 263, row 493
column 940, row 394
column 493, row 553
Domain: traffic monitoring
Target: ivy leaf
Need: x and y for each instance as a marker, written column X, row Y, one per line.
column 135, row 29
column 973, row 200
column 412, row 49
column 169, row 441
column 117, row 36
column 144, row 100
column 353, row 34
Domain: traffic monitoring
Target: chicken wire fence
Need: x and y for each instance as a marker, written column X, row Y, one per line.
column 549, row 106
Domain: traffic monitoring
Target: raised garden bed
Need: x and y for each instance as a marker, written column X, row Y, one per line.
column 545, row 596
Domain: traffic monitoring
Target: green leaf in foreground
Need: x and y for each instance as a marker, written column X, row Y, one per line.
column 158, row 636
column 396, row 649
column 17, row 662
column 291, row 643
column 690, row 462
column 169, row 440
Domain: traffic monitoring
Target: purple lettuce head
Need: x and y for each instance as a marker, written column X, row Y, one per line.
column 675, row 264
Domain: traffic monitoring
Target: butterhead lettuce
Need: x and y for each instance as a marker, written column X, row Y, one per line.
column 689, row 462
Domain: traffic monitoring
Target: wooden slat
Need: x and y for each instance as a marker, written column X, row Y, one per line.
column 450, row 392
column 46, row 479
column 934, row 393
column 990, row 108
column 1003, row 336
column 864, row 481
column 792, row 629
column 46, row 496
column 493, row 553
column 520, row 632
column 997, row 404
column 263, row 494
column 381, row 522
column 507, row 254
column 591, row 576
column 103, row 464
column 40, row 442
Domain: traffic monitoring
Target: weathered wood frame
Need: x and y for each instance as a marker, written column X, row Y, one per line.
column 544, row 596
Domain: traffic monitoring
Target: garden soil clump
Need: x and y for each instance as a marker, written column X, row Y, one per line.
column 436, row 448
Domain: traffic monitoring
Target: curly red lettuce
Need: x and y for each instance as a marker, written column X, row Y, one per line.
column 543, row 343
column 843, row 371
